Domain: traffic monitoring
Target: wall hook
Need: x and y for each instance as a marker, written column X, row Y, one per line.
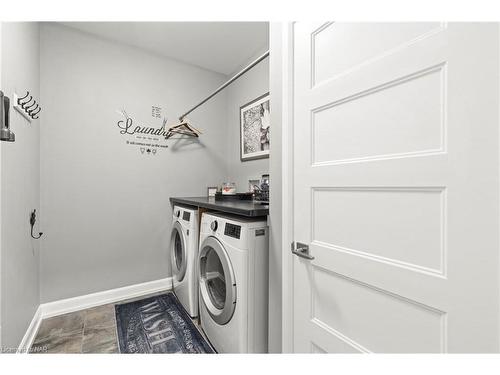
column 24, row 97
column 27, row 109
column 23, row 104
column 32, row 223
column 35, row 112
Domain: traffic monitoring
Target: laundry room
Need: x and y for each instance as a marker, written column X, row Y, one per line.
column 116, row 150
column 247, row 188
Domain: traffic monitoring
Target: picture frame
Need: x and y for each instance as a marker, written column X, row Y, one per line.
column 254, row 129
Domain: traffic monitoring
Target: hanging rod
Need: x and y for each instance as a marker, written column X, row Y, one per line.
column 223, row 86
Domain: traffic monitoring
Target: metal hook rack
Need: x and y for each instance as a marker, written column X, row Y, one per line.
column 27, row 106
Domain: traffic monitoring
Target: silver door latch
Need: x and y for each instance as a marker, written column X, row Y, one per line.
column 302, row 250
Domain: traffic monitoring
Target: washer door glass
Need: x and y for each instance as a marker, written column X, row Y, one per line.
column 178, row 252
column 217, row 282
column 215, row 278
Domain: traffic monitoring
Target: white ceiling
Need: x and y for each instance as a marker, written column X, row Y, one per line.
column 219, row 46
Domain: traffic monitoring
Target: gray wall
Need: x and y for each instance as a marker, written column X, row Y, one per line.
column 20, row 185
column 247, row 88
column 105, row 209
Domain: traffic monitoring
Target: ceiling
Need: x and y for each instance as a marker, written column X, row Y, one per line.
column 222, row 47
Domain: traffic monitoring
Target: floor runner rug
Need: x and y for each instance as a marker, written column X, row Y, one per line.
column 158, row 324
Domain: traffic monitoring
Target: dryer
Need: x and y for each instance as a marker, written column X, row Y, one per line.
column 183, row 255
column 233, row 282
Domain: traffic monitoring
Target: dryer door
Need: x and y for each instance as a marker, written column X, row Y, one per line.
column 178, row 252
column 217, row 281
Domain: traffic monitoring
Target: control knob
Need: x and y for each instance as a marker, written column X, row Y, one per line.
column 214, row 225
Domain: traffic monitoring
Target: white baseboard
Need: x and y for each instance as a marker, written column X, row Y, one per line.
column 68, row 305
column 29, row 336
column 64, row 306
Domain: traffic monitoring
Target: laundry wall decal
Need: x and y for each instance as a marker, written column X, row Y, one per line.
column 127, row 127
column 147, row 140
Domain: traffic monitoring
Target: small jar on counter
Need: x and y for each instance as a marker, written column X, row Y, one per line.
column 228, row 188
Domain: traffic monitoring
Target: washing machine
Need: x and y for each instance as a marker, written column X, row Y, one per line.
column 184, row 254
column 233, row 282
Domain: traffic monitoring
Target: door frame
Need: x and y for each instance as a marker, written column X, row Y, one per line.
column 283, row 53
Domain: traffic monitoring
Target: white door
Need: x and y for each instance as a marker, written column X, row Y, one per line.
column 396, row 190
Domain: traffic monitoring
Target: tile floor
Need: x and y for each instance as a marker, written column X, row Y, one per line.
column 87, row 331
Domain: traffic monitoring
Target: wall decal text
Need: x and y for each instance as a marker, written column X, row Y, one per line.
column 146, row 139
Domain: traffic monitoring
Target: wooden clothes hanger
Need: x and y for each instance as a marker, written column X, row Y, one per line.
column 184, row 128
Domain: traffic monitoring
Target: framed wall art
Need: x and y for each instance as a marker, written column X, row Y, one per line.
column 254, row 129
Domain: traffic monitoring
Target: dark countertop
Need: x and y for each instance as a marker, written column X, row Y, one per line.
column 233, row 206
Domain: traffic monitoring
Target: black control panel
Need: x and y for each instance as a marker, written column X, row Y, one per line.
column 186, row 216
column 232, row 230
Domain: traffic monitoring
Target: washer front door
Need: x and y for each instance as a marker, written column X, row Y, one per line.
column 217, row 281
column 178, row 253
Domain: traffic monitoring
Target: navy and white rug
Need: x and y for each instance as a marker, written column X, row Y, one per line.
column 158, row 324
